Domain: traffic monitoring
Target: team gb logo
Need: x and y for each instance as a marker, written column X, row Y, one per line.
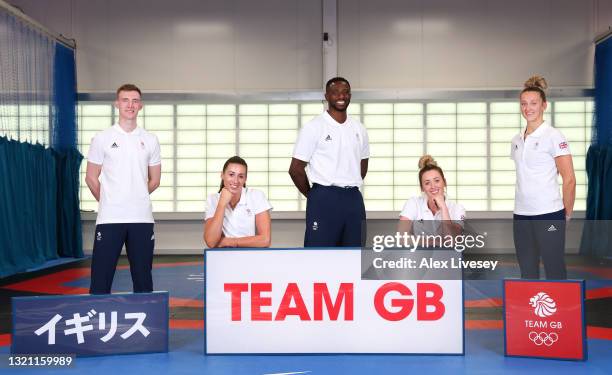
column 543, row 305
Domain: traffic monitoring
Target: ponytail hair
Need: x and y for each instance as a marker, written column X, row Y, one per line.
column 233, row 160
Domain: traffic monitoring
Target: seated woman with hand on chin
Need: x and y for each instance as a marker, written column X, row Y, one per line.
column 431, row 213
column 237, row 216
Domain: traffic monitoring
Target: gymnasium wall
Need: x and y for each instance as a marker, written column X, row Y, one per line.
column 243, row 45
column 247, row 45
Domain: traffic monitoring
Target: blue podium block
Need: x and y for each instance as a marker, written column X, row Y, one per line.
column 89, row 325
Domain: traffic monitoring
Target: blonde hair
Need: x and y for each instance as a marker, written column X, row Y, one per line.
column 537, row 84
column 427, row 163
column 427, row 160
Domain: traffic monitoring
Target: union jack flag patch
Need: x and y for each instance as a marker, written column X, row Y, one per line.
column 563, row 145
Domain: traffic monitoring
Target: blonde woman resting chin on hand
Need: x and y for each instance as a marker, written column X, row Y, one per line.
column 431, row 213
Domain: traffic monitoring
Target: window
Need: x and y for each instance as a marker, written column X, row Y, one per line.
column 205, row 137
column 469, row 140
column 267, row 133
column 26, row 123
column 92, row 118
column 574, row 119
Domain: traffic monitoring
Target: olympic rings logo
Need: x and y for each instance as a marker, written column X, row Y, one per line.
column 543, row 338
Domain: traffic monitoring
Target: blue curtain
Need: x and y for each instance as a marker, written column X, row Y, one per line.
column 597, row 234
column 602, row 124
column 64, row 134
column 27, row 218
column 39, row 205
column 68, row 158
column 68, row 213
